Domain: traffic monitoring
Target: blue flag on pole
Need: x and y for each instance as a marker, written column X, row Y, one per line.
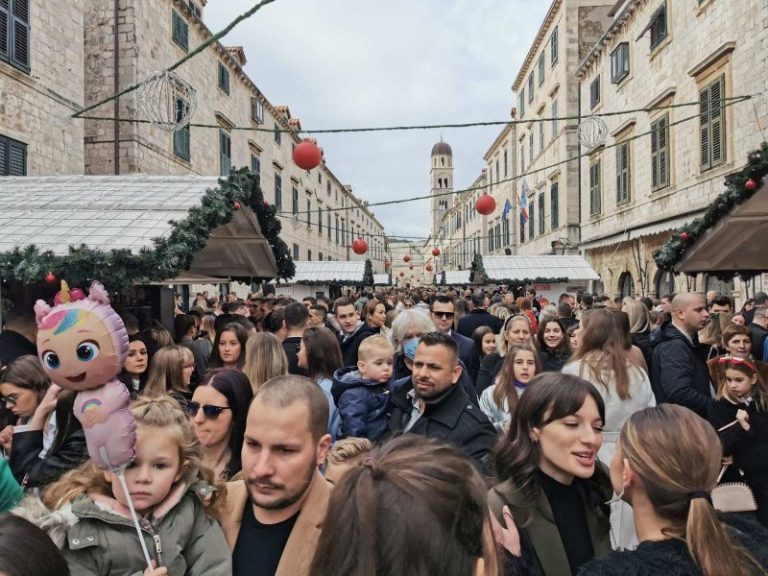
column 507, row 209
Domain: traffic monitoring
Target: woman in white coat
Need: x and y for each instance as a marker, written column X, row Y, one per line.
column 602, row 360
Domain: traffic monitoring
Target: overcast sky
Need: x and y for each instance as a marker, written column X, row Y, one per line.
column 354, row 63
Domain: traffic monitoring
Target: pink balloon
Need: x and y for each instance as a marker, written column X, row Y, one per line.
column 110, row 430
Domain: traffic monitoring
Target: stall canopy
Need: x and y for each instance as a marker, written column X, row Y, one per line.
column 736, row 243
column 381, row 280
column 526, row 269
column 456, row 277
column 328, row 272
column 112, row 213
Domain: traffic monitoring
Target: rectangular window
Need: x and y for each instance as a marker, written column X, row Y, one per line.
column 195, row 9
column 320, row 256
column 506, row 164
column 278, row 192
column 658, row 26
column 712, row 124
column 257, row 110
column 541, row 212
column 531, row 81
column 594, row 92
column 179, row 30
column 223, row 77
column 660, row 153
column 554, row 119
column 256, row 169
column 531, row 217
column 15, row 33
column 530, row 147
column 309, row 213
column 328, row 227
column 623, row 173
column 541, row 136
column 225, row 153
column 553, row 46
column 295, row 203
column 328, row 189
column 506, row 231
column 320, row 221
column 295, row 251
column 521, row 104
column 181, row 137
column 13, row 157
column 278, row 134
column 620, row 63
column 337, row 229
column 309, row 255
column 595, row 191
column 554, row 205
column 542, row 64
column 522, row 159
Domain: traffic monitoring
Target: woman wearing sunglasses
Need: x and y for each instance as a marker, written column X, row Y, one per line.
column 218, row 411
column 23, row 385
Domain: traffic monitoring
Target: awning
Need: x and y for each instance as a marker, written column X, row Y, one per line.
column 456, row 277
column 649, row 229
column 736, row 243
column 328, row 272
column 520, row 268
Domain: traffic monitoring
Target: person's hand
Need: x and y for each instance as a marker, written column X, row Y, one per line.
column 6, row 438
column 44, row 409
column 162, row 571
column 743, row 417
column 506, row 536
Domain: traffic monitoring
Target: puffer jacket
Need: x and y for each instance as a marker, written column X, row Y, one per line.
column 99, row 540
column 363, row 405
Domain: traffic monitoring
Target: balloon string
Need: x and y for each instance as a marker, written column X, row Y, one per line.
column 135, row 518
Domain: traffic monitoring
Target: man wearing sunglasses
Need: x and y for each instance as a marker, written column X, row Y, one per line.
column 272, row 519
column 443, row 311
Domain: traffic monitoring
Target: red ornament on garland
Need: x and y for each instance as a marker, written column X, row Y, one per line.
column 684, row 236
column 402, row 274
column 406, row 258
column 307, row 155
column 428, row 267
column 50, row 278
column 485, row 205
column 359, row 246
column 236, row 205
column 435, row 251
column 751, row 185
column 266, row 204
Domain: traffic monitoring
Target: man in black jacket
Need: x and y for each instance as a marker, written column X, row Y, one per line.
column 443, row 310
column 434, row 405
column 758, row 331
column 679, row 372
column 19, row 336
column 353, row 330
column 296, row 318
column 478, row 317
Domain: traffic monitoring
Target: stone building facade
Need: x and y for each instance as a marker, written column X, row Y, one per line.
column 321, row 216
column 660, row 169
column 41, row 86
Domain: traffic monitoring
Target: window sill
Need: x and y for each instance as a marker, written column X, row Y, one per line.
column 223, row 91
column 702, row 7
column 660, row 47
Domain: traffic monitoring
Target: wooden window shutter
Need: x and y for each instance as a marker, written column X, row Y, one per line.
column 704, row 129
column 20, row 33
column 17, row 159
column 5, row 30
column 663, row 152
column 717, row 116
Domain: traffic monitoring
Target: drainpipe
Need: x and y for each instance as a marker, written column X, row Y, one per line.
column 116, row 67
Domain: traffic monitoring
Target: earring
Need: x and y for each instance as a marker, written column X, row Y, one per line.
column 617, row 497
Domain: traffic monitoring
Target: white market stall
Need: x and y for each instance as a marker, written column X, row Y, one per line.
column 322, row 278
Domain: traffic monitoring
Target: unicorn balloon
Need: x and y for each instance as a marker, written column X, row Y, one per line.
column 82, row 344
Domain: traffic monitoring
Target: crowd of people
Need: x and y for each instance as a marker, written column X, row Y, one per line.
column 421, row 431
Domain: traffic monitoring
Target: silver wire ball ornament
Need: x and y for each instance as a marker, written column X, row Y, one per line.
column 592, row 132
column 167, row 101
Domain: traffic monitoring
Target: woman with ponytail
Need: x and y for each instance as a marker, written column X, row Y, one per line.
column 665, row 466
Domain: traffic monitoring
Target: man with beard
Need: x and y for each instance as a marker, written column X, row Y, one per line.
column 273, row 517
column 431, row 402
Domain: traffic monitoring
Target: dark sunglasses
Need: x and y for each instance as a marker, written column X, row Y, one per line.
column 12, row 399
column 444, row 315
column 209, row 411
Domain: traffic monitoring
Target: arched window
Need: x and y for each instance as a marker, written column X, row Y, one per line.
column 665, row 283
column 626, row 285
column 442, row 161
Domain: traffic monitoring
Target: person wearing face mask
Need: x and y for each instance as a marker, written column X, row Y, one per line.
column 498, row 402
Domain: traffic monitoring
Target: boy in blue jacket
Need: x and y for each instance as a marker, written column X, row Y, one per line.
column 362, row 393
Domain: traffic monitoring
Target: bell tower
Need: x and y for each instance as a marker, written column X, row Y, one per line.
column 441, row 181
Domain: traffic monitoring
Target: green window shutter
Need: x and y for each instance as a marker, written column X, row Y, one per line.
column 4, row 144
column 5, row 30
column 180, row 31
column 704, row 129
column 717, row 116
column 181, row 141
column 554, row 201
column 19, row 34
column 225, row 153
column 256, row 169
column 13, row 158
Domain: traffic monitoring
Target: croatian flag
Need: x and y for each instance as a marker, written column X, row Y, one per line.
column 524, row 202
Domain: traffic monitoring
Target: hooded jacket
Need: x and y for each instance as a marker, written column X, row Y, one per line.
column 351, row 342
column 679, row 372
column 100, row 540
column 363, row 405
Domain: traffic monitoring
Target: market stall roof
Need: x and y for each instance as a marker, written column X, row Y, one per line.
column 527, row 268
column 736, row 243
column 456, row 277
column 381, row 280
column 126, row 212
column 328, row 272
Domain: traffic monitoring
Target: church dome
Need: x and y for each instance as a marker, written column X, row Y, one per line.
column 441, row 149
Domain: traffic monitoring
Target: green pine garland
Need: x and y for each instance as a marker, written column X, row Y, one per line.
column 477, row 273
column 119, row 270
column 669, row 255
column 368, row 274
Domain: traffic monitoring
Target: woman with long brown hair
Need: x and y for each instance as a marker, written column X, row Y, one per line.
column 264, row 359
column 516, row 331
column 414, row 506
column 552, row 486
column 320, row 356
column 666, row 464
column 603, row 360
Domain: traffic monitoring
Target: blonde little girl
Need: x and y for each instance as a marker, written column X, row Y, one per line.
column 172, row 502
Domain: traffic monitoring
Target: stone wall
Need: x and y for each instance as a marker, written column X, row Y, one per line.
column 35, row 108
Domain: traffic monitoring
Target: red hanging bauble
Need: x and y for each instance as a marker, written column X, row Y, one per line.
column 406, row 258
column 50, row 278
column 307, row 155
column 236, row 205
column 402, row 274
column 386, row 264
column 751, row 185
column 485, row 205
column 435, row 251
column 410, row 267
column 429, row 267
column 684, row 236
column 359, row 246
